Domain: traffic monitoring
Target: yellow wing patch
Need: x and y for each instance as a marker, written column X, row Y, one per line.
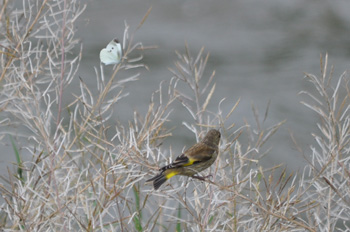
column 171, row 174
column 190, row 162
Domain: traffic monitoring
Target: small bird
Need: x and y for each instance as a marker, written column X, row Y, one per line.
column 194, row 160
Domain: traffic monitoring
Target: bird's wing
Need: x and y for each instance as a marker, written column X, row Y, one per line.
column 179, row 162
column 196, row 154
column 199, row 153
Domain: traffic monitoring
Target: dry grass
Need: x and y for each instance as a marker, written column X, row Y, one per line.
column 80, row 179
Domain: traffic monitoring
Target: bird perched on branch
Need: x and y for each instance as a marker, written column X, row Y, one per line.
column 194, row 160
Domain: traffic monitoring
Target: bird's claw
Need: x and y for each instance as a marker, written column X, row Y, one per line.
column 202, row 178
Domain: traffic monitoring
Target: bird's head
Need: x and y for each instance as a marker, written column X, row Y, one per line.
column 212, row 137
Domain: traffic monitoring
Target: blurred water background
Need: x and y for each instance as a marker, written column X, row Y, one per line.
column 259, row 50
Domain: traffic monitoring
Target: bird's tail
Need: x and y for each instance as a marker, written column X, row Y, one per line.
column 160, row 179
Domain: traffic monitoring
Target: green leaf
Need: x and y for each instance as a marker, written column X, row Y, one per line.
column 18, row 159
column 138, row 217
column 178, row 224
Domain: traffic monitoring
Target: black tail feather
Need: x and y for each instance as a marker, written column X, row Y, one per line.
column 158, row 180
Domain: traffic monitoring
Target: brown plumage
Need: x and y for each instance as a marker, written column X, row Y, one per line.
column 194, row 160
